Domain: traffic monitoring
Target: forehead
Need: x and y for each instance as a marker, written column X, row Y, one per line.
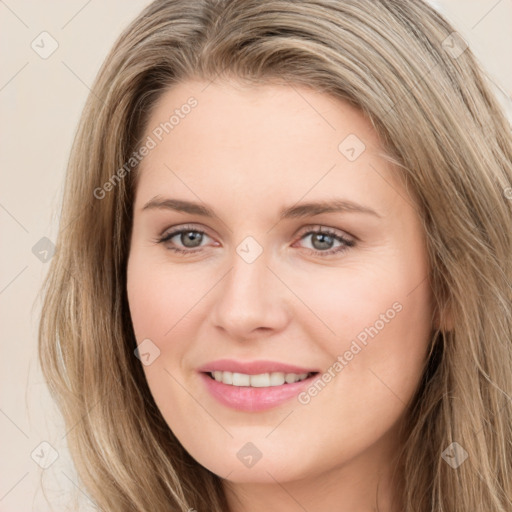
column 232, row 109
column 268, row 139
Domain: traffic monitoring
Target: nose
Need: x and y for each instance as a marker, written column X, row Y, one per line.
column 251, row 300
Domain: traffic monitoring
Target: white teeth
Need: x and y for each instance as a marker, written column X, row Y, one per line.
column 277, row 379
column 263, row 380
column 260, row 381
column 290, row 378
column 226, row 377
column 241, row 379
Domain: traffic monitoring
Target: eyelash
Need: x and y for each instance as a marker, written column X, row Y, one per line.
column 321, row 230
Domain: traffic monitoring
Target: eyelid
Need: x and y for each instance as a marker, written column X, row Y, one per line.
column 183, row 227
column 324, row 228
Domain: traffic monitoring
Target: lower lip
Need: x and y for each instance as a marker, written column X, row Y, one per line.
column 247, row 398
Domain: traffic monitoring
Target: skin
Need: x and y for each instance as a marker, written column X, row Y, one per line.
column 247, row 152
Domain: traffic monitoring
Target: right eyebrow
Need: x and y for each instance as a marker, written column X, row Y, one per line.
column 179, row 206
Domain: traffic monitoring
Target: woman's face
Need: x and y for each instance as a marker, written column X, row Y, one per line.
column 300, row 252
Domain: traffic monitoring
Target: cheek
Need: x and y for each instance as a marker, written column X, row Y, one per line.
column 375, row 324
column 339, row 305
column 159, row 296
column 375, row 359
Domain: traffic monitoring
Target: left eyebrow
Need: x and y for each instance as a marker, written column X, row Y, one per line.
column 319, row 207
column 296, row 211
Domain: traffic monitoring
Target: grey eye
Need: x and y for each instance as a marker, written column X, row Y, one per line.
column 321, row 241
column 190, row 239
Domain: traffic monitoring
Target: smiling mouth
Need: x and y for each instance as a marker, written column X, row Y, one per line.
column 262, row 380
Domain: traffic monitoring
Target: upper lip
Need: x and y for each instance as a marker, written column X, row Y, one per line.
column 253, row 367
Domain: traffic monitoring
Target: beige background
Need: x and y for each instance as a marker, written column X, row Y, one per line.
column 40, row 103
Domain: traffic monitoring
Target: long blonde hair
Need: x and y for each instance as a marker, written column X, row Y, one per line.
column 404, row 67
